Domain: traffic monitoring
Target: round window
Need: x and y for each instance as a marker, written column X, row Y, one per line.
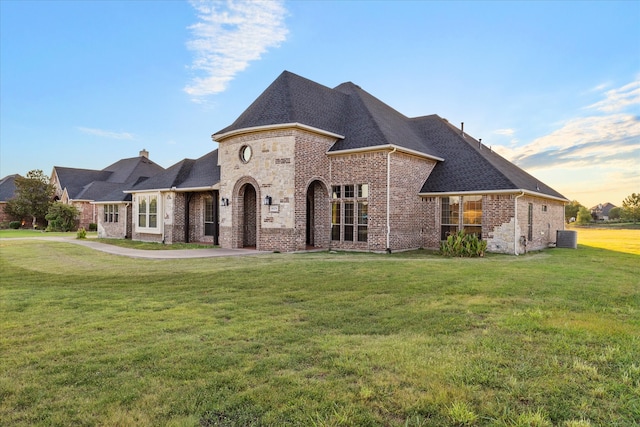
column 245, row 153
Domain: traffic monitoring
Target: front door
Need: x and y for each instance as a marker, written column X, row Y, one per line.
column 249, row 230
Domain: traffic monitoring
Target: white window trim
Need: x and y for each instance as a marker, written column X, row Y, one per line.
column 159, row 216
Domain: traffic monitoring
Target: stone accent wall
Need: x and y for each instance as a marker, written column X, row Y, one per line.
column 499, row 223
column 283, row 165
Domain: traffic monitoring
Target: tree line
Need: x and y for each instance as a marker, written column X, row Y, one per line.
column 629, row 211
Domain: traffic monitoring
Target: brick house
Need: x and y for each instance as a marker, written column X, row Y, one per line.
column 81, row 187
column 309, row 166
column 178, row 205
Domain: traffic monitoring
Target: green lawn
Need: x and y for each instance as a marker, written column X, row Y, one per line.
column 318, row 339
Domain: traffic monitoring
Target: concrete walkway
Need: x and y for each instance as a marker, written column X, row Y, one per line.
column 150, row 254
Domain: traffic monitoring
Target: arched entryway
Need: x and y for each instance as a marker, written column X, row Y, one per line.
column 318, row 211
column 248, row 216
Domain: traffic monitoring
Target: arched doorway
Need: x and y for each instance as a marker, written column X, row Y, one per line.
column 249, row 216
column 318, row 224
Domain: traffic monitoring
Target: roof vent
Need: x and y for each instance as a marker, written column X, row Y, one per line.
column 462, row 129
column 480, row 143
column 144, row 153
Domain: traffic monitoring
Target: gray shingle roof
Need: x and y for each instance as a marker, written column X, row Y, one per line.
column 365, row 121
column 109, row 183
column 8, row 187
column 186, row 174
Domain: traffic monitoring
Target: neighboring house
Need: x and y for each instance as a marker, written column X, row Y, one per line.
column 601, row 211
column 81, row 187
column 309, row 166
column 178, row 205
column 8, row 191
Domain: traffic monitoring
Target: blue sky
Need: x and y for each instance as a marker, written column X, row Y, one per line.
column 553, row 86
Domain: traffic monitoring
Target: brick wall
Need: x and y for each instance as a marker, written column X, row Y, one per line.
column 407, row 217
column 117, row 230
column 88, row 213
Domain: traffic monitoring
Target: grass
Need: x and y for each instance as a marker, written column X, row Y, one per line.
column 153, row 246
column 621, row 240
column 318, row 339
column 22, row 233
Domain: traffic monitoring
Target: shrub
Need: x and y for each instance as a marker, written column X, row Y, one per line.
column 15, row 224
column 462, row 244
column 62, row 217
column 82, row 233
column 93, row 226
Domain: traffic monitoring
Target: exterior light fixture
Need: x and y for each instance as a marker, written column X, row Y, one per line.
column 224, row 201
column 267, row 201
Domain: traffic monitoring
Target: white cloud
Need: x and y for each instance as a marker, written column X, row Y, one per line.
column 506, row 132
column 228, row 36
column 106, row 133
column 618, row 99
column 593, row 158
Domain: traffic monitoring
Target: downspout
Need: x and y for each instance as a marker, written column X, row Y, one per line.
column 126, row 224
column 515, row 225
column 389, row 198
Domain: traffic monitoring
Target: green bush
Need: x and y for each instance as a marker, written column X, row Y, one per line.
column 62, row 217
column 93, row 226
column 82, row 233
column 15, row 224
column 462, row 244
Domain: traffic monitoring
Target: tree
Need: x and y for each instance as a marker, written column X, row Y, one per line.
column 571, row 210
column 62, row 217
column 631, row 208
column 33, row 196
column 584, row 216
column 615, row 213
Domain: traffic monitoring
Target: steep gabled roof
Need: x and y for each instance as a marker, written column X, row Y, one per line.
column 363, row 121
column 74, row 180
column 294, row 99
column 109, row 183
column 8, row 187
column 203, row 172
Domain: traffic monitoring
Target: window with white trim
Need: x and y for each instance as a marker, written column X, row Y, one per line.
column 147, row 213
column 111, row 213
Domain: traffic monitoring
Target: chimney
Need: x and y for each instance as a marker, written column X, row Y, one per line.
column 144, row 153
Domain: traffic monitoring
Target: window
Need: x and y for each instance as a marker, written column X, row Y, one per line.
column 463, row 213
column 530, row 222
column 350, row 213
column 147, row 213
column 111, row 213
column 450, row 216
column 363, row 221
column 209, row 218
column 245, row 154
column 472, row 215
column 335, row 221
